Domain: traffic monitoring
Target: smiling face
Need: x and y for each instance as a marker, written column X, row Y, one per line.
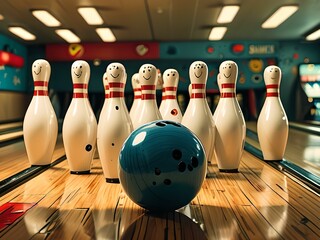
column 170, row 78
column 198, row 72
column 80, row 72
column 272, row 75
column 41, row 70
column 116, row 72
column 148, row 74
column 228, row 72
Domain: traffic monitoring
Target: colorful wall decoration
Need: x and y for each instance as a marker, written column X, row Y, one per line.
column 13, row 67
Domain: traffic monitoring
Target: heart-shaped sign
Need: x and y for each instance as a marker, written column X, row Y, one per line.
column 141, row 49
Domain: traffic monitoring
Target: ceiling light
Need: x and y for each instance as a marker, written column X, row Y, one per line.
column 227, row 14
column 90, row 15
column 67, row 35
column 313, row 36
column 279, row 16
column 1, row 17
column 217, row 33
column 106, row 34
column 22, row 33
column 46, row 18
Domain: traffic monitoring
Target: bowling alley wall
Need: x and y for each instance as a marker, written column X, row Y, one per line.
column 252, row 57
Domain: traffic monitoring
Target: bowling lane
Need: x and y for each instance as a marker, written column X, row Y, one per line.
column 259, row 202
column 10, row 131
column 9, row 126
column 14, row 157
column 303, row 148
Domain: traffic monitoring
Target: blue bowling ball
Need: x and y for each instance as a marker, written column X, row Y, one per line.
column 162, row 166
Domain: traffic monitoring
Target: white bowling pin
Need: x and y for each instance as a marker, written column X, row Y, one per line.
column 79, row 129
column 149, row 110
column 230, row 124
column 171, row 110
column 135, row 108
column 272, row 125
column 114, row 123
column 40, row 125
column 219, row 86
column 198, row 117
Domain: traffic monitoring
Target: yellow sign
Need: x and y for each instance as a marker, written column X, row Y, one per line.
column 76, row 50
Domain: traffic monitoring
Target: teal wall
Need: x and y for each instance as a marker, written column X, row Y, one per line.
column 179, row 55
column 11, row 78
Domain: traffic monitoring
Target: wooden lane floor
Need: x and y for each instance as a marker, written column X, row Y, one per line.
column 13, row 157
column 303, row 148
column 259, row 202
column 10, row 125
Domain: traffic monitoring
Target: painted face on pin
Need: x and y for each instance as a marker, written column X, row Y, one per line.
column 148, row 74
column 170, row 77
column 115, row 72
column 228, row 71
column 198, row 72
column 272, row 74
column 80, row 71
column 41, row 70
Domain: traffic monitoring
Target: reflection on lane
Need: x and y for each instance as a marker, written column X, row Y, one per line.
column 302, row 149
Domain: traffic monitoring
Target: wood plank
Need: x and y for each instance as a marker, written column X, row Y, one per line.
column 259, row 202
column 14, row 157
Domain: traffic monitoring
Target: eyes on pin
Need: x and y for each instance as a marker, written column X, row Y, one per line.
column 197, row 66
column 114, row 67
column 77, row 67
column 172, row 74
column 226, row 67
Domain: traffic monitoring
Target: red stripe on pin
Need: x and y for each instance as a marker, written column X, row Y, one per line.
column 116, row 85
column 107, row 87
column 80, row 85
column 40, row 93
column 148, row 87
column 272, row 94
column 106, row 96
column 137, row 97
column 170, row 97
column 227, row 95
column 116, row 94
column 272, row 86
column 198, row 86
column 80, row 95
column 198, row 95
column 40, row 84
column 148, row 96
column 171, row 89
column 227, row 85
column 137, row 89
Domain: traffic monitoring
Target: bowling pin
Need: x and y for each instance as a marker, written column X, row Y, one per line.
column 272, row 125
column 230, row 124
column 149, row 110
column 135, row 108
column 79, row 130
column 198, row 117
column 114, row 123
column 40, row 125
column 171, row 110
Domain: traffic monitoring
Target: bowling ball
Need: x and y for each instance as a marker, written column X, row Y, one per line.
column 162, row 166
